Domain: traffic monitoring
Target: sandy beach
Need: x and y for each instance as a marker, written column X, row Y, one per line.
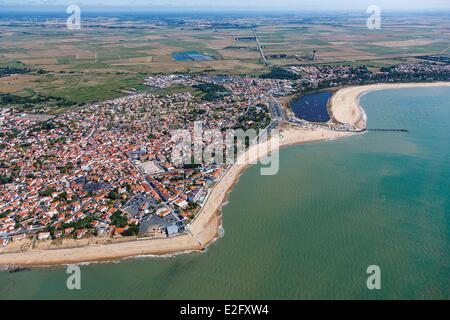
column 204, row 229
column 345, row 105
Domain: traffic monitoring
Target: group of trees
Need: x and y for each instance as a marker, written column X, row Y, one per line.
column 113, row 195
column 8, row 99
column 5, row 179
column 47, row 192
column 280, row 73
column 4, row 214
column 85, row 223
column 6, row 71
column 119, row 220
column 213, row 92
column 132, row 230
column 255, row 118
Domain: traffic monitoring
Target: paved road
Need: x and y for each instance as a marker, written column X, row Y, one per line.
column 276, row 111
column 263, row 57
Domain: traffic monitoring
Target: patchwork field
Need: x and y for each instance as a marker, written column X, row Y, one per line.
column 109, row 56
column 349, row 40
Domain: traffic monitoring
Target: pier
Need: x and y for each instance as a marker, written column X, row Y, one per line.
column 352, row 129
column 388, row 130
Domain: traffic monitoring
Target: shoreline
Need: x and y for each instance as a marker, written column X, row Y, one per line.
column 349, row 100
column 204, row 230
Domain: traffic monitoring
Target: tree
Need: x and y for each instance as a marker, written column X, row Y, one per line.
column 47, row 192
column 132, row 230
column 5, row 180
column 113, row 195
column 118, row 220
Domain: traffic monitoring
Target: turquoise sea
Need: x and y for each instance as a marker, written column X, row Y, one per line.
column 336, row 207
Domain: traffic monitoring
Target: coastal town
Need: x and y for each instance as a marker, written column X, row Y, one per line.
column 105, row 170
column 221, row 151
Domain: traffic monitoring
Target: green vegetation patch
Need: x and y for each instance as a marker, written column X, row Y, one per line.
column 7, row 99
column 213, row 92
column 280, row 73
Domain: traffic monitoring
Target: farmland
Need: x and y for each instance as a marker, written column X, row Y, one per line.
column 111, row 56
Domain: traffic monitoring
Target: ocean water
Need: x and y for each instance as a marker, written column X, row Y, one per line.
column 336, row 207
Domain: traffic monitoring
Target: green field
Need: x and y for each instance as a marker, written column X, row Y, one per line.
column 92, row 64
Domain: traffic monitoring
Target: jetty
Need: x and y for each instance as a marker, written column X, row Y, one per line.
column 388, row 130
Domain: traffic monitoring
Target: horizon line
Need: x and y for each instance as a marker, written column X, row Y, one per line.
column 215, row 9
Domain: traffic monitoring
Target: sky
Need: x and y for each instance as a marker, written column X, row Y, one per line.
column 234, row 4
